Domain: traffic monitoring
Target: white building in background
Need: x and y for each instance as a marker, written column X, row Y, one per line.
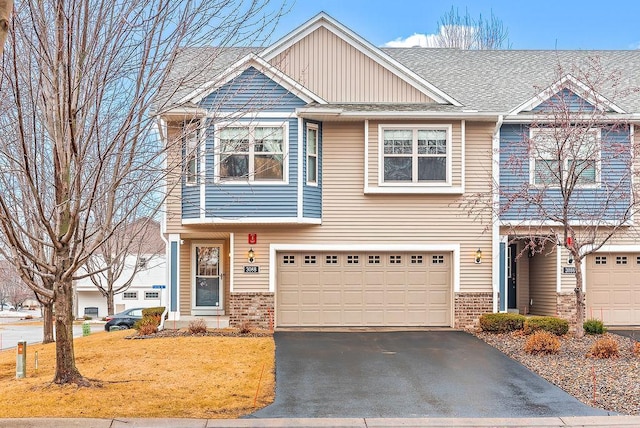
column 145, row 291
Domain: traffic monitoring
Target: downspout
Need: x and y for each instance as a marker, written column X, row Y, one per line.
column 495, row 206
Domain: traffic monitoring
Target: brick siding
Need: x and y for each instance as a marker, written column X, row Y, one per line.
column 255, row 310
column 566, row 308
column 469, row 306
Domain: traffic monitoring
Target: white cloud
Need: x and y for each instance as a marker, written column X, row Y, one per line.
column 421, row 40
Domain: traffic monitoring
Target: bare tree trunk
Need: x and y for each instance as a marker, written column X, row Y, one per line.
column 47, row 325
column 6, row 9
column 110, row 302
column 66, row 371
column 579, row 298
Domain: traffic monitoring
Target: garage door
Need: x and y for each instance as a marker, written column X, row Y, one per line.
column 363, row 289
column 613, row 288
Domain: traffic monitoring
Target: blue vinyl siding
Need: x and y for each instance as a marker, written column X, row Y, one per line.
column 573, row 102
column 190, row 201
column 586, row 203
column 312, row 204
column 236, row 201
column 251, row 91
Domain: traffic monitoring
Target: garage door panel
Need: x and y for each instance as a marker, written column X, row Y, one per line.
column 362, row 289
column 612, row 288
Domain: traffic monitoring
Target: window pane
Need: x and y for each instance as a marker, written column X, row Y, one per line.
column 268, row 139
column 547, row 172
column 432, row 141
column 398, row 142
column 397, row 169
column 312, row 139
column 234, row 166
column 432, row 169
column 268, row 167
column 312, row 169
column 586, row 170
column 234, row 140
column 207, row 259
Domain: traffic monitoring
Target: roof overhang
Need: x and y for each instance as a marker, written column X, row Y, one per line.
column 337, row 114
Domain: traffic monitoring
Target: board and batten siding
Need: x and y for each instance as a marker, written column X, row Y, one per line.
column 338, row 72
column 351, row 217
column 456, row 146
column 543, row 283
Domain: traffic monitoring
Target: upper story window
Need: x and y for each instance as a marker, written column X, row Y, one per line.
column 191, row 157
column 312, row 154
column 252, row 153
column 416, row 154
column 565, row 156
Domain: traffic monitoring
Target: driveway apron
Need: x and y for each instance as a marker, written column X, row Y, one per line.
column 407, row 374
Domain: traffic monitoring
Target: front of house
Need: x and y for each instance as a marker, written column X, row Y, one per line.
column 324, row 182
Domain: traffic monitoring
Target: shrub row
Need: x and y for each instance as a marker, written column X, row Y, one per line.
column 508, row 322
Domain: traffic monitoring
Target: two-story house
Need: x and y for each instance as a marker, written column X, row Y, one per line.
column 323, row 181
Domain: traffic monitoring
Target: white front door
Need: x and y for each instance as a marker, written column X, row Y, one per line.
column 207, row 287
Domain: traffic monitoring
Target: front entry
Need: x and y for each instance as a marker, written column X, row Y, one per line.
column 206, row 284
column 511, row 276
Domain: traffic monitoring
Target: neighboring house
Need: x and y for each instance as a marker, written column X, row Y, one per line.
column 144, row 290
column 325, row 183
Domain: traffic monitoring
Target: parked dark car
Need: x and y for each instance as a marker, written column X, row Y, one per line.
column 123, row 320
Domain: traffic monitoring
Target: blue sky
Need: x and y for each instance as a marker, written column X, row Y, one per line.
column 532, row 24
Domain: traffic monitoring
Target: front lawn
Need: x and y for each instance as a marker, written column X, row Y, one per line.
column 180, row 377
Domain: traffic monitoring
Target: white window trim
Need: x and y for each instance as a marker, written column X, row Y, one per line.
column 124, row 297
column 315, row 127
column 285, row 153
column 532, row 162
column 446, row 127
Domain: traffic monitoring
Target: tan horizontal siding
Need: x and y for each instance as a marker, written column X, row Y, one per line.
column 338, row 72
column 542, row 287
column 174, row 173
column 522, row 279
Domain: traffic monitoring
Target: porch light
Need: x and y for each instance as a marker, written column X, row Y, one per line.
column 251, row 255
column 478, row 256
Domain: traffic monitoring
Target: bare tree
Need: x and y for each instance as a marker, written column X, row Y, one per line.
column 120, row 258
column 466, row 32
column 6, row 9
column 12, row 289
column 577, row 188
column 78, row 133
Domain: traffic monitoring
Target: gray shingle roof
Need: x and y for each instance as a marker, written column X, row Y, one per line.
column 501, row 80
column 487, row 81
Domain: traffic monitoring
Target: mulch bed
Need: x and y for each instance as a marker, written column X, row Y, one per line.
column 612, row 384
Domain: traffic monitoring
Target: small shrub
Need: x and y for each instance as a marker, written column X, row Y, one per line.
column 87, row 317
column 197, row 326
column 245, row 328
column 156, row 311
column 501, row 323
column 147, row 325
column 605, row 347
column 594, row 326
column 542, row 342
column 636, row 349
column 554, row 325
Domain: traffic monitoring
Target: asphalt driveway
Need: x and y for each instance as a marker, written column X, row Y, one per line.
column 407, row 374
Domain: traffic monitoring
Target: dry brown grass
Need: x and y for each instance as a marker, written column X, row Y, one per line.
column 184, row 377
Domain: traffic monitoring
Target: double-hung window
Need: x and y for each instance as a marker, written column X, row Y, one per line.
column 312, row 154
column 416, row 155
column 191, row 157
column 565, row 155
column 252, row 153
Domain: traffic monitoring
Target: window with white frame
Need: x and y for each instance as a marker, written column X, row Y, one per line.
column 252, row 153
column 416, row 154
column 561, row 154
column 151, row 295
column 191, row 157
column 130, row 295
column 312, row 154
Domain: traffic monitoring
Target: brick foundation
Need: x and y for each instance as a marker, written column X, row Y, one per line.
column 469, row 306
column 566, row 308
column 253, row 309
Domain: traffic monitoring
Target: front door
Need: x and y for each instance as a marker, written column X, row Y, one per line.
column 511, row 276
column 207, row 285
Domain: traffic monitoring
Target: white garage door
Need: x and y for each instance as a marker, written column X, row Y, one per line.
column 613, row 288
column 363, row 289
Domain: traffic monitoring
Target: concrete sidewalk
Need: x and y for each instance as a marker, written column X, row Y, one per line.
column 572, row 421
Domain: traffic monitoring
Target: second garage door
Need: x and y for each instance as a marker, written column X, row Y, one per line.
column 363, row 289
column 613, row 288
